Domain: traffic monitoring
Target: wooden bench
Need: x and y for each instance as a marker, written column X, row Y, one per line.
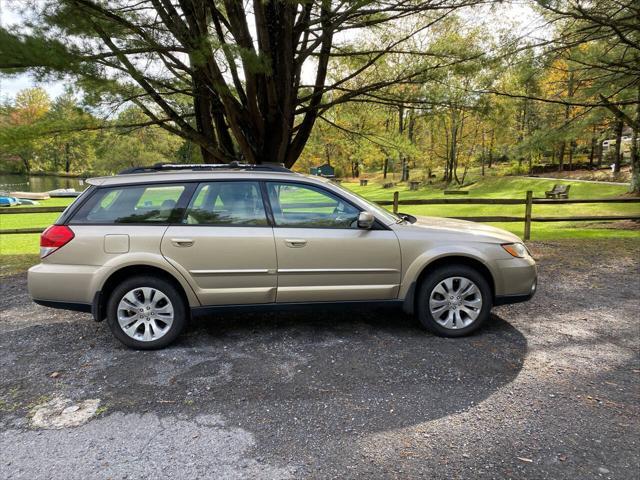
column 558, row 191
column 414, row 185
column 388, row 185
column 363, row 182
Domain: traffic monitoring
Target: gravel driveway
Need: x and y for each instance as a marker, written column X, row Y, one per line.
column 549, row 389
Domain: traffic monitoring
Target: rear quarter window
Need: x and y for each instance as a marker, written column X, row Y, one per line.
column 131, row 204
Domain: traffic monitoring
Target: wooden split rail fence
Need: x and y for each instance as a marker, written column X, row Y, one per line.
column 528, row 202
column 527, row 219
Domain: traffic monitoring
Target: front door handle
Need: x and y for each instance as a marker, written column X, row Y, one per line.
column 295, row 242
column 182, row 242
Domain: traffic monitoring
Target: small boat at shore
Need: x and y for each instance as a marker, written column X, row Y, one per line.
column 27, row 201
column 30, row 195
column 64, row 192
column 9, row 201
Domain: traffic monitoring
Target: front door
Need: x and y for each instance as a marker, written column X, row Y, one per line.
column 323, row 255
column 225, row 246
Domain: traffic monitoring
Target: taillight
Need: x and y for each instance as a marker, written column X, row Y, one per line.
column 53, row 238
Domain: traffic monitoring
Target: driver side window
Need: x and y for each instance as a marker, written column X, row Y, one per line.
column 305, row 206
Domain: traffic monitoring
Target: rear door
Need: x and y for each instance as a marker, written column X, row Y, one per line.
column 124, row 219
column 322, row 254
column 225, row 245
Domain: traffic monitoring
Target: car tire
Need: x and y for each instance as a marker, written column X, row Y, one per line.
column 448, row 305
column 146, row 313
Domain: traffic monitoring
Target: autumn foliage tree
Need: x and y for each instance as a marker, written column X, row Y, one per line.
column 255, row 73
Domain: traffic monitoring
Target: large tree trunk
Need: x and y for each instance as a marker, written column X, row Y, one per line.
column 203, row 115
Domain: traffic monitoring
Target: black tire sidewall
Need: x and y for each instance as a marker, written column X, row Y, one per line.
column 430, row 282
column 177, row 301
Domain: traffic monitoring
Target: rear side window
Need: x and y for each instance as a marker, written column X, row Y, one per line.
column 227, row 203
column 136, row 204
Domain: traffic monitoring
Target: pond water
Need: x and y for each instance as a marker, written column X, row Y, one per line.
column 26, row 183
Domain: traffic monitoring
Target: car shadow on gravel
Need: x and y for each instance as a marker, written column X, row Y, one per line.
column 376, row 368
column 359, row 370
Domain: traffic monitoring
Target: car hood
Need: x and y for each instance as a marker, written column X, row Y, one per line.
column 476, row 231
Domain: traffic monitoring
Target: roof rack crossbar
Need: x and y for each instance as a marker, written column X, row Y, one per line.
column 163, row 167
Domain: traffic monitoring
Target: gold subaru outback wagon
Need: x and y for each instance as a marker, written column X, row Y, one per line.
column 151, row 247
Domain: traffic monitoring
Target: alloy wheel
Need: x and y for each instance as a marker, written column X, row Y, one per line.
column 455, row 302
column 145, row 314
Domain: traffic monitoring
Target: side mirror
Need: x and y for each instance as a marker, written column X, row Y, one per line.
column 366, row 220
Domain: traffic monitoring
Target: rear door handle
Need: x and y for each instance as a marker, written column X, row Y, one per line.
column 182, row 242
column 295, row 242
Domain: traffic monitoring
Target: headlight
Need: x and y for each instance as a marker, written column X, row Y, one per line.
column 516, row 249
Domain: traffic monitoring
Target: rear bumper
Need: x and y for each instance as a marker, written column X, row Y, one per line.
column 76, row 307
column 64, row 284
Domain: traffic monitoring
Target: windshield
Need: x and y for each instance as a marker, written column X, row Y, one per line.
column 377, row 210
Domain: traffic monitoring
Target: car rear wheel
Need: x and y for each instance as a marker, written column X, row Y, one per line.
column 146, row 312
column 454, row 301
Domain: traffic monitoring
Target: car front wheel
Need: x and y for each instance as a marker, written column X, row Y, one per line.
column 454, row 301
column 146, row 312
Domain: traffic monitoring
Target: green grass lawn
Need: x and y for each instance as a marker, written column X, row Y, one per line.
column 16, row 251
column 20, row 251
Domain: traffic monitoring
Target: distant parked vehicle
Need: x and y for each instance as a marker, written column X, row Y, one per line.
column 325, row 170
column 608, row 146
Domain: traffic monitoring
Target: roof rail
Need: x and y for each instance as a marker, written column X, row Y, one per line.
column 164, row 167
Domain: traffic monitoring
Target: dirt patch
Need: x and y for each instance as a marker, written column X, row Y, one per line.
column 63, row 413
column 617, row 225
column 602, row 175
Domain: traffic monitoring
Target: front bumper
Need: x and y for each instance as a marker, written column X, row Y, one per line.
column 521, row 283
column 515, row 277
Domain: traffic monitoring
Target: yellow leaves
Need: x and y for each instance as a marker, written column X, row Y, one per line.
column 31, row 105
